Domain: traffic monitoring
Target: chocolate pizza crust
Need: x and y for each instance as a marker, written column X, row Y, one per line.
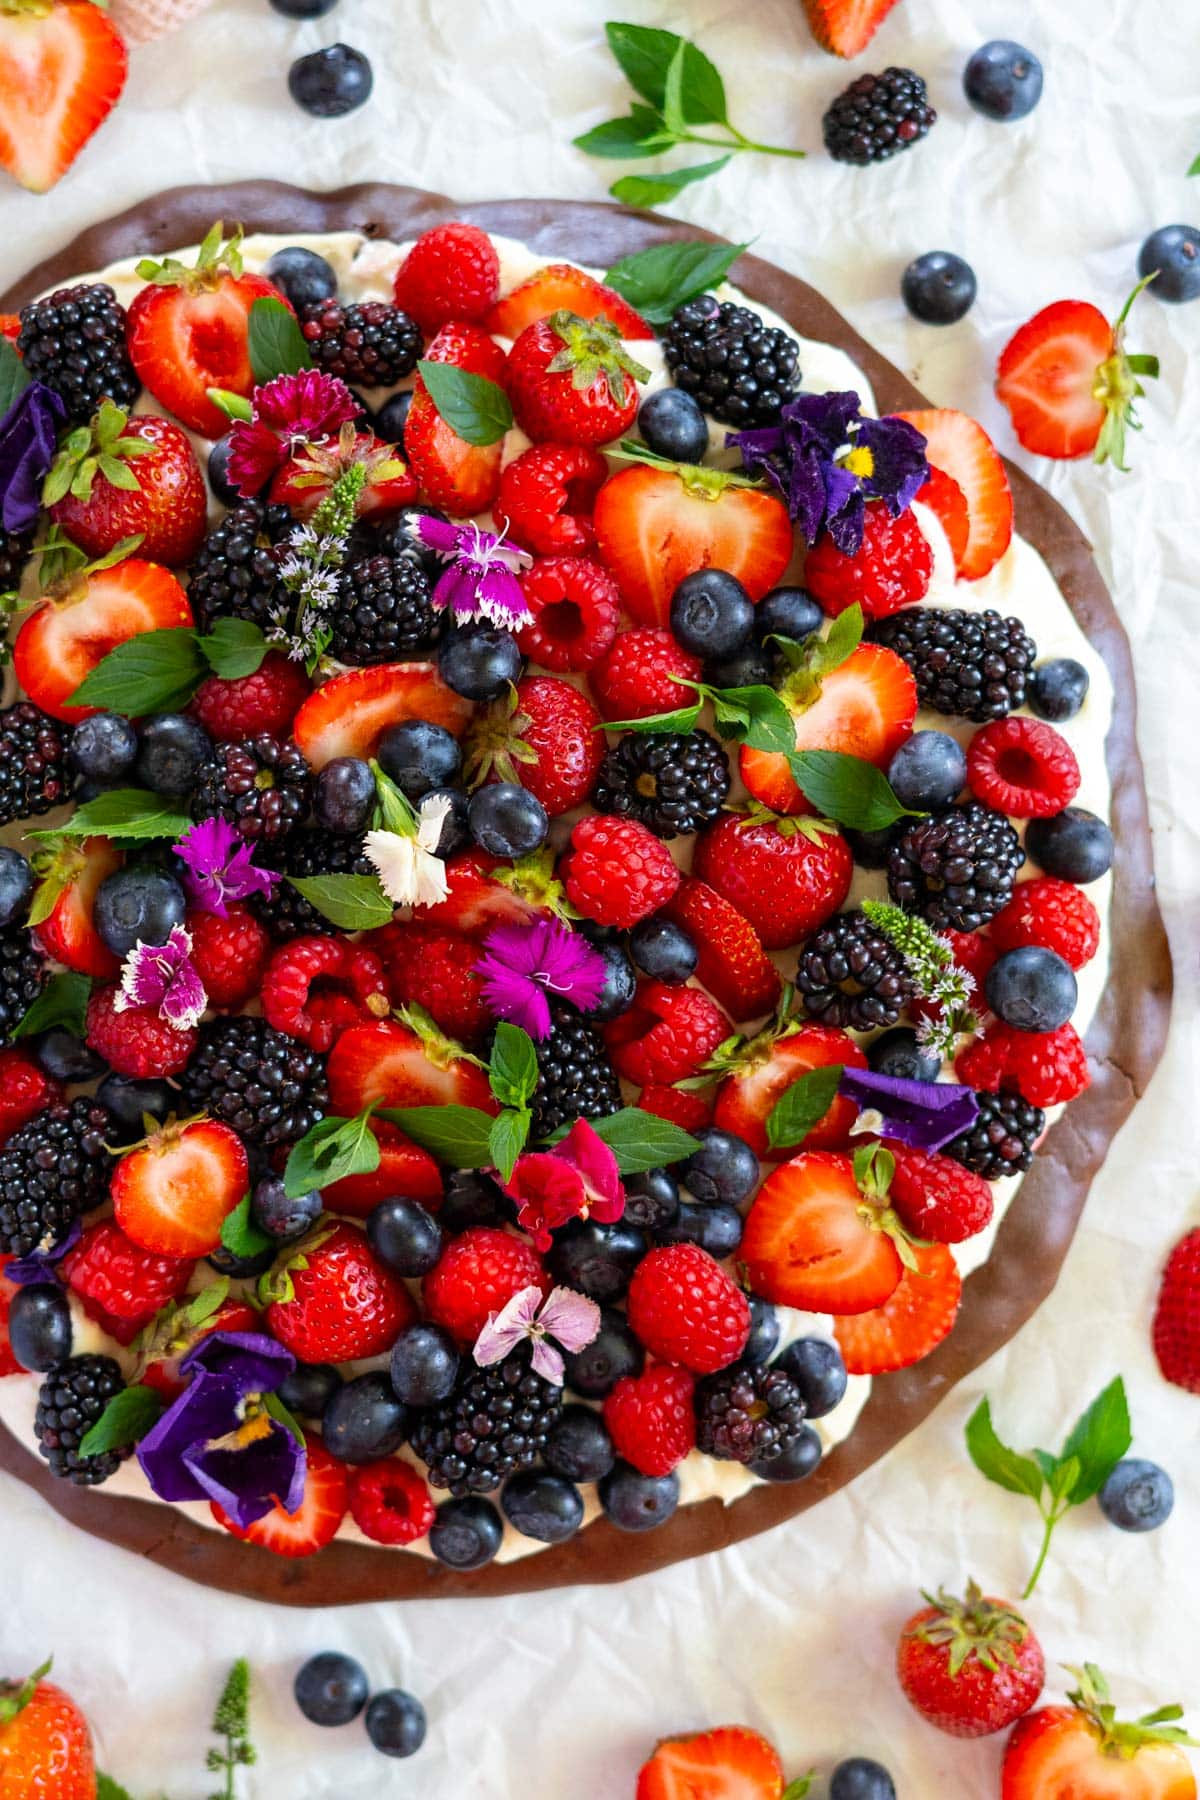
column 1124, row 1043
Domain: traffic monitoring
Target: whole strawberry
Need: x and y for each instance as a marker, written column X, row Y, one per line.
column 45, row 1743
column 122, row 477
column 785, row 877
column 545, row 734
column 571, row 381
column 969, row 1666
column 333, row 1301
column 1177, row 1316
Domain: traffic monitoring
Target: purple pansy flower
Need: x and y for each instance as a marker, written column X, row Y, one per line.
column 41, row 1264
column 219, row 866
column 218, row 1441
column 28, row 440
column 164, row 976
column 923, row 1114
column 481, row 579
column 827, row 461
column 571, row 1319
column 524, row 963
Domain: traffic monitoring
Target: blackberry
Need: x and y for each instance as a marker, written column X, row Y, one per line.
column 877, row 117
column 34, row 774
column 269, row 1087
column 971, row 665
column 14, row 552
column 735, row 366
column 22, row 977
column 494, row 1424
column 52, row 1169
column 285, row 912
column 957, row 868
column 372, row 345
column 674, row 782
column 849, row 974
column 575, row 1078
column 234, row 575
column 384, row 612
column 748, row 1415
column 1001, row 1140
column 74, row 341
column 71, row 1400
column 259, row 784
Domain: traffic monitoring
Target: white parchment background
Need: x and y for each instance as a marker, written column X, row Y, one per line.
column 560, row 1695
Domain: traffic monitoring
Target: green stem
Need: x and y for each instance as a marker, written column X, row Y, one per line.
column 736, row 142
column 1051, row 1521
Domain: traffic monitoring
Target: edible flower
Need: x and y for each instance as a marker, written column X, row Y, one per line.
column 402, row 849
column 28, row 441
column 219, row 866
column 286, row 413
column 578, row 1179
column 164, row 976
column 571, row 1319
column 480, row 581
column 524, row 963
column 923, row 1114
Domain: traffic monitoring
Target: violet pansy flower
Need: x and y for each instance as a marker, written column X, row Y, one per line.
column 578, row 1179
column 28, row 441
column 218, row 1441
column 219, row 866
column 290, row 411
column 480, row 581
column 526, row 963
column 570, row 1319
column 163, row 976
column 923, row 1114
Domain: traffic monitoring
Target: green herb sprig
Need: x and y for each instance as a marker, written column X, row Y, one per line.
column 939, row 979
column 231, row 1722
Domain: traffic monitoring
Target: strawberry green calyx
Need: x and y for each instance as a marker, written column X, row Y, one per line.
column 441, row 1050
column 787, row 825
column 532, row 878
column 496, row 742
column 179, row 1324
column 973, row 1627
column 216, row 257
column 64, row 567
column 1117, row 387
column 809, row 662
column 16, row 1695
column 1122, row 1739
column 701, row 483
column 161, row 1135
column 101, row 448
column 739, row 1055
column 593, row 351
column 276, row 1285
column 873, row 1170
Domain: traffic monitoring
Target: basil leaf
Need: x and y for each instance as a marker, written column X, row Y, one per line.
column 639, row 1140
column 1195, row 167
column 640, row 133
column 156, row 671
column 234, row 648
column 61, row 1005
column 508, row 1137
column 1098, row 1441
column 240, row 1235
column 683, row 720
column 513, row 1068
column 14, row 376
column 798, row 1789
column 125, row 1420
column 457, row 1135
column 1006, row 1467
column 646, row 54
column 755, row 716
column 674, row 117
column 651, row 190
column 802, row 1106
column 1062, row 1481
column 476, row 409
column 333, row 1149
column 847, row 789
column 276, row 342
column 125, row 813
column 655, row 282
column 351, row 902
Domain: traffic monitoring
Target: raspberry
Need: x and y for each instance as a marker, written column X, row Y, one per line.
column 544, row 734
column 937, row 1198
column 546, row 498
column 668, row 1033
column 686, row 1309
column 650, row 1418
column 478, row 1273
column 1177, row 1316
column 892, row 568
column 575, row 607
column 317, row 987
column 250, row 705
column 616, row 871
column 137, row 1041
column 121, row 1285
column 24, row 1091
column 1054, row 914
column 634, row 680
column 1022, row 767
column 425, row 966
column 230, row 955
column 1044, row 1067
column 390, row 1503
column 451, row 272
column 687, row 1110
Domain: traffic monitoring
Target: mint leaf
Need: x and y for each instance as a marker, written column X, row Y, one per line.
column 507, row 1138
column 14, row 376
column 61, row 1005
column 240, row 1235
column 513, row 1068
column 156, row 671
column 755, row 716
column 234, row 648
column 124, row 813
column 1002, row 1465
column 640, row 133
column 276, row 342
column 1098, row 1441
column 108, row 1789
column 351, row 902
column 847, row 789
column 840, row 641
column 457, row 1135
column 476, row 409
column 655, row 282
column 1195, row 167
column 697, row 89
column 652, row 190
column 682, row 720
column 333, row 1149
column 125, row 1420
column 646, row 54
column 802, row 1106
column 639, row 1140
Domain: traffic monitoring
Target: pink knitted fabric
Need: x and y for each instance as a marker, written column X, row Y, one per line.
column 140, row 20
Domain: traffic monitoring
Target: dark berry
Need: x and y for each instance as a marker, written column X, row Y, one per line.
column 466, row 1533
column 455, row 834
column 507, row 820
column 973, row 665
column 928, row 770
column 330, row 1689
column 137, row 905
column 372, row 344
column 751, row 666
column 392, row 417
column 39, row 1326
column 22, row 977
column 637, row 1502
column 384, row 612
column 419, row 757
column 796, row 1462
column 787, row 612
column 938, row 288
column 173, row 748
column 579, row 1446
column 269, row 1087
column 748, row 1414
column 672, row 424
column 493, row 1425
column 130, row 1101
column 1074, row 845
column 17, row 883
column 900, row 1054
column 576, row 1079
column 620, row 983
column 235, row 574
column 851, row 975
column 259, row 785
column 597, row 1259
column 218, row 471
column 543, row 1506
column 673, row 782
column 1003, row 80
column 716, row 1226
column 1138, row 1495
column 332, row 82
column 871, row 849
column 35, row 773
column 395, row 1722
column 424, row 1365
column 285, row 911
column 309, row 1389
column 302, row 277
column 471, row 1198
column 405, row 1236
column 612, row 1354
column 712, row 615
column 364, row 1419
column 957, row 868
column 72, row 1399
column 280, row 1216
column 663, row 950
column 241, row 1268
column 75, row 341
column 1001, row 1140
column 1032, row 989
column 344, row 796
column 724, row 1168
column 815, row 1365
column 877, row 117
column 733, row 364
column 1058, row 688
column 651, row 1199
column 861, row 1779
column 764, row 1333
column 104, row 748
column 67, row 1058
column 1172, row 255
column 479, row 663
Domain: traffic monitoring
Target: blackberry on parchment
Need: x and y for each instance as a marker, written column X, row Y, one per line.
column 878, row 116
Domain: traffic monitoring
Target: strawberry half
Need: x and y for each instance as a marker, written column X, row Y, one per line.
column 390, row 1065
column 913, row 1320
column 485, row 891
column 309, row 477
column 561, row 288
column 62, row 70
column 68, row 886
column 814, row 1241
column 1082, row 1752
column 302, row 1533
column 403, row 1169
column 763, row 1070
column 173, row 1194
column 728, row 1763
column 348, row 715
column 1069, row 384
column 8, row 1292
column 732, row 963
column 846, row 27
column 463, row 478
column 944, row 498
column 962, row 449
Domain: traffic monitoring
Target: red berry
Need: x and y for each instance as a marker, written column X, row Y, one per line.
column 136, row 1042
column 650, row 1418
column 173, row 1193
column 230, row 954
column 668, row 1033
column 686, row 1309
column 616, row 871
column 1177, row 1316
column 544, row 734
column 120, row 1284
column 911, row 1322
column 166, row 507
column 1053, row 914
column 781, row 878
column 451, row 272
column 24, row 1091
column 575, row 607
column 571, row 381
column 8, row 1292
column 732, row 963
column 1022, row 767
column 937, row 1198
column 403, row 1169
column 317, row 987
column 546, row 498
column 891, row 569
column 969, row 1666
column 390, row 1503
column 434, row 967
column 1044, row 1067
column 479, row 1273
column 688, row 1110
column 344, row 1304
column 634, row 681
column 249, row 705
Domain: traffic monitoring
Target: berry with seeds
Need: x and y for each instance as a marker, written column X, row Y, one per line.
column 663, row 951
column 461, row 477
column 673, row 782
column 1001, row 1141
column 938, row 1197
column 598, row 1260
column 576, row 1079
column 136, row 1041
column 815, row 1367
column 785, row 881
column 479, row 663
column 1138, row 1495
column 957, row 868
column 302, row 854
column 332, row 82
column 166, row 504
column 451, row 272
column 78, row 868
column 137, row 905
column 235, row 574
column 1003, row 80
column 731, row 362
column 928, row 771
column 1023, row 768
column 579, row 1445
column 25, row 1090
column 435, row 967
column 637, row 677
column 969, row 1666
column 1058, row 688
column 814, row 1241
column 320, row 1514
column 424, row 1365
column 343, row 1304
column 507, row 820
column 730, row 1763
column 419, row 757
column 546, row 498
column 405, row 1236
column 877, row 117
column 542, row 1506
column 23, row 975
column 330, row 1689
column 259, row 785
column 1069, row 384
column 851, row 975
column 315, row 988
column 477, row 1275
column 712, row 615
column 616, row 871
column 891, row 569
column 1074, row 845
column 494, row 1425
column 390, row 1504
column 74, row 341
column 384, row 613
column 637, row 1502
column 390, row 1064
column 35, row 773
column 364, row 1419
column 748, row 1415
column 911, row 1323
column 575, row 606
column 973, row 665
column 230, row 955
column 947, row 502
column 344, row 796
column 650, row 1418
column 558, row 285
column 1032, row 989
column 571, row 381
column 1046, row 1068
column 685, row 1309
column 1172, row 255
column 961, row 450
column 1176, row 1330
column 39, row 1327
column 672, row 424
column 271, row 1088
column 667, row 1035
column 466, row 1533
column 763, row 1067
column 121, row 1284
column 938, row 288
column 173, row 1194
column 1052, row 913
column 612, row 1354
column 846, row 27
column 71, row 1400
column 732, row 963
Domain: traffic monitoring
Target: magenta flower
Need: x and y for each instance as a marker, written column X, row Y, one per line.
column 524, row 963
column 289, row 411
column 481, row 579
column 219, row 866
column 578, row 1179
column 571, row 1319
column 165, row 977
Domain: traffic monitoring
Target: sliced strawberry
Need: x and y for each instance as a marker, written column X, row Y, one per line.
column 486, row 891
column 689, row 1110
column 653, row 527
column 560, row 287
column 943, row 496
column 960, row 447
column 463, row 478
column 315, row 1524
column 62, row 69
column 10, row 326
column 846, row 27
column 189, row 331
column 1047, row 379
column 309, row 477
column 911, row 1322
column 8, row 1292
column 728, row 1763
column 389, row 1065
column 67, row 932
column 173, row 1194
column 746, row 1099
column 65, row 637
column 348, row 715
column 403, row 1169
column 163, row 1373
column 1084, row 1752
column 810, row 1240
column 732, row 964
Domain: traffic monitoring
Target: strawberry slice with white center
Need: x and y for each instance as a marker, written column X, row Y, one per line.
column 846, row 27
column 962, row 449
column 1069, row 384
column 390, row 1064
column 485, row 890
column 814, row 1241
column 730, row 1763
column 348, row 715
column 559, row 287
column 62, row 909
column 316, row 1521
column 946, row 500
column 764, row 1068
column 62, row 69
column 173, row 1193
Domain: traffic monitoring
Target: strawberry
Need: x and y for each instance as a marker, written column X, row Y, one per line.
column 545, row 734
column 813, row 1240
column 572, row 382
column 434, row 967
column 560, row 287
column 24, row 1090
column 763, row 1068
column 173, row 1193
column 62, row 70
column 891, row 568
column 656, row 525
column 8, row 1292
column 546, row 498
column 1177, row 1316
column 348, row 715
column 302, row 1533
column 69, row 880
column 463, row 478
column 173, row 1333
column 189, row 330
column 124, row 477
column 85, row 616
column 308, row 476
column 650, row 1418
column 944, row 498
column 728, row 1763
column 334, row 1301
column 1082, row 1752
column 913, row 1321
column 485, row 891
column 732, row 963
column 451, row 272
column 962, row 449
column 120, row 1284
column 10, row 326
column 785, row 879
column 45, row 1743
column 969, row 1666
column 846, row 27
column 686, row 1109
column 1069, row 383
column 392, row 1065
column 403, row 1169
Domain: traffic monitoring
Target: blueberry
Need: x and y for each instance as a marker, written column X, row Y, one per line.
column 598, row 1260
column 795, row 1463
column 424, row 1365
column 938, row 288
column 218, row 472
column 711, row 613
column 332, row 82
column 861, row 1779
column 392, row 417
column 172, row 750
column 303, row 277
column 612, row 1354
column 1032, row 989
column 637, row 1502
column 787, row 612
column 364, row 1420
column 507, row 820
column 543, row 1506
column 344, row 796
column 129, row 1100
column 899, row 1052
column 241, row 1268
column 67, row 1058
column 455, row 834
column 1138, row 1495
column 280, row 1217
column 300, row 9
column 764, row 1333
column 651, row 1199
column 104, row 748
column 663, row 950
column 1172, row 255
column 479, row 663
column 137, row 904
column 620, row 983
column 928, row 770
column 871, row 849
column 466, row 1533
column 405, row 1236
column 1074, row 845
column 395, row 1722
column 16, row 885
column 419, row 756
column 815, row 1365
column 751, row 666
column 309, row 1389
column 724, row 1168
column 1003, row 80
column 713, row 1225
column 39, row 1326
column 672, row 425
column 331, row 1689
column 471, row 1198
column 579, row 1446
column 1058, row 688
